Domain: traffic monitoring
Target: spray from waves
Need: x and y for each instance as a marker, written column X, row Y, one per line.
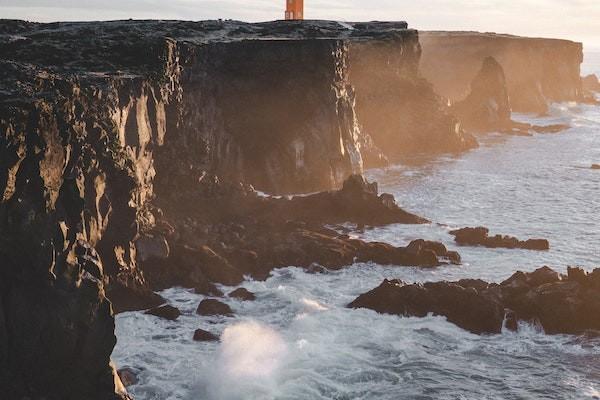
column 246, row 365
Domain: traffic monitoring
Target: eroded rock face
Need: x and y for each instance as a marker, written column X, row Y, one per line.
column 538, row 71
column 559, row 304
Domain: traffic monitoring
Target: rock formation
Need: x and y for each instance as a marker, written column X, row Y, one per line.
column 487, row 107
column 557, row 303
column 538, row 71
column 479, row 237
column 396, row 106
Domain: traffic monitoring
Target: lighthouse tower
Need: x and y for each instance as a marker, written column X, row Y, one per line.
column 294, row 9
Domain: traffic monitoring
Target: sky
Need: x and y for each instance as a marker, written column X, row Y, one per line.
column 570, row 19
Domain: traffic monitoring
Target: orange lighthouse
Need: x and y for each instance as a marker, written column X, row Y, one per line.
column 294, row 9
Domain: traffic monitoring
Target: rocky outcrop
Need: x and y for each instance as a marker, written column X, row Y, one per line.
column 396, row 106
column 479, row 237
column 559, row 304
column 487, row 107
column 538, row 71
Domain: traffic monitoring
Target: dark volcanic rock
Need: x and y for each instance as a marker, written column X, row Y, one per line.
column 166, row 312
column 479, row 237
column 242, row 294
column 201, row 335
column 128, row 376
column 560, row 304
column 487, row 107
column 213, row 307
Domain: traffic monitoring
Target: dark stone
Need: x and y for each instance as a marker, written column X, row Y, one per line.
column 243, row 294
column 213, row 307
column 568, row 305
column 205, row 336
column 479, row 237
column 128, row 376
column 166, row 312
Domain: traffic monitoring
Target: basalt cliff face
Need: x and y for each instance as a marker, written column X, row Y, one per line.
column 396, row 105
column 538, row 71
column 128, row 147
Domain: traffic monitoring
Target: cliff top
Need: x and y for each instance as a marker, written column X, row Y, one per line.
column 491, row 35
column 128, row 48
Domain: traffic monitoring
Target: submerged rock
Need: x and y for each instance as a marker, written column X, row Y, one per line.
column 201, row 335
column 209, row 307
column 479, row 237
column 166, row 312
column 242, row 294
column 559, row 304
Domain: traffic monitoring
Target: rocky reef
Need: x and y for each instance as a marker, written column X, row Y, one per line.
column 479, row 237
column 538, row 71
column 557, row 303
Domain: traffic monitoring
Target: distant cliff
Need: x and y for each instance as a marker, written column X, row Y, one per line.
column 538, row 71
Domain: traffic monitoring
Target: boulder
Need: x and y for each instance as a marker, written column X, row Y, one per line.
column 242, row 294
column 128, row 376
column 166, row 312
column 201, row 335
column 210, row 307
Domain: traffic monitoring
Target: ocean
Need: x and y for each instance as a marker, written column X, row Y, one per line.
column 299, row 341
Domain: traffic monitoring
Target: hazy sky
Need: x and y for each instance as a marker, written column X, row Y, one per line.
column 572, row 19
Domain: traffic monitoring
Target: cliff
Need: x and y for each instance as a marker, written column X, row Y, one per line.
column 396, row 105
column 538, row 71
column 109, row 133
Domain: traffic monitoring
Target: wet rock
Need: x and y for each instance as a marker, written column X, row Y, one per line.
column 554, row 128
column 357, row 201
column 242, row 294
column 128, row 376
column 479, row 237
column 595, row 166
column 209, row 307
column 560, row 304
column 201, row 335
column 166, row 312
